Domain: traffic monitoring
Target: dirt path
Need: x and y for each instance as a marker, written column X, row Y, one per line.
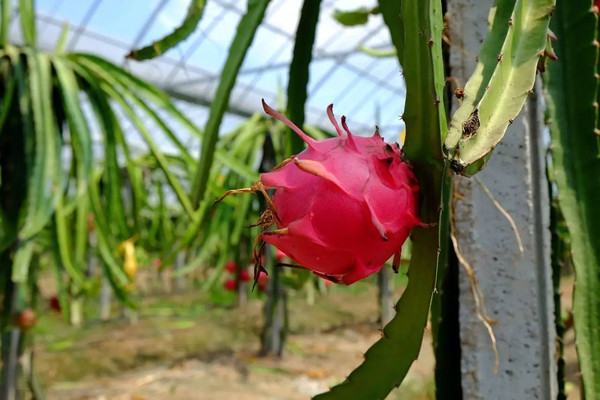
column 315, row 362
column 182, row 349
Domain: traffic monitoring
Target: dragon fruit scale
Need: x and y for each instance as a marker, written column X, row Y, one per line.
column 342, row 207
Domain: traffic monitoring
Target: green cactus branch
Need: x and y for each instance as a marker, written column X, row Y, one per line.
column 571, row 88
column 237, row 53
column 297, row 90
column 504, row 77
column 391, row 13
column 388, row 361
column 191, row 21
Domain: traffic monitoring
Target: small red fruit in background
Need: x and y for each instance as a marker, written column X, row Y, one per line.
column 157, row 262
column 244, row 276
column 54, row 303
column 230, row 285
column 25, row 319
column 231, row 266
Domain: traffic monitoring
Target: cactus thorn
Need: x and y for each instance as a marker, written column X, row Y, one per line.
column 430, row 42
column 595, row 104
column 510, row 22
column 596, row 44
column 459, row 93
column 500, row 57
column 530, row 92
column 436, row 102
column 597, row 132
column 510, row 121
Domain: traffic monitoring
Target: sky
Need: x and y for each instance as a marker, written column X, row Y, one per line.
column 111, row 28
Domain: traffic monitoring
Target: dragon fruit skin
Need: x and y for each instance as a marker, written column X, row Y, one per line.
column 344, row 206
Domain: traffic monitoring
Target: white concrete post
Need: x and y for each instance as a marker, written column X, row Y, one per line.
column 517, row 287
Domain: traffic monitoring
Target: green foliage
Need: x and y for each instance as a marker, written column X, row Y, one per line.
column 391, row 10
column 237, row 52
column 6, row 11
column 27, row 12
column 44, row 95
column 191, row 21
column 502, row 80
column 356, row 17
column 571, row 88
column 299, row 70
column 379, row 53
column 388, row 361
column 222, row 233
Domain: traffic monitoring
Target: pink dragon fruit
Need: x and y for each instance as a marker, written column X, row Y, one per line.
column 342, row 207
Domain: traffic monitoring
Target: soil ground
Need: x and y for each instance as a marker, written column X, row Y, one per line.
column 180, row 348
column 184, row 348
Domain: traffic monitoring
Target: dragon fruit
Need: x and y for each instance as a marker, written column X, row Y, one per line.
column 342, row 207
